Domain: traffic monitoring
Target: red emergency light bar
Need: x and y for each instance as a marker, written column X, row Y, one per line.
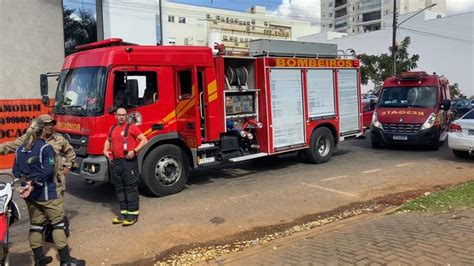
column 414, row 75
column 103, row 43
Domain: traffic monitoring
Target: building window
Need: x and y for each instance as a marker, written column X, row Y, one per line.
column 171, row 19
column 80, row 23
column 371, row 16
column 182, row 20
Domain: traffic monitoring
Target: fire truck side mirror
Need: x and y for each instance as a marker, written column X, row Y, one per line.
column 446, row 105
column 372, row 104
column 44, row 84
column 131, row 92
column 45, row 100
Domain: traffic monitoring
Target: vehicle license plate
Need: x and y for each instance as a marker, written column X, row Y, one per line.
column 398, row 137
column 470, row 132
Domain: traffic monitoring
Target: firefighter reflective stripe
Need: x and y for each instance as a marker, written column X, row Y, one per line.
column 59, row 226
column 123, row 212
column 132, row 213
column 36, row 228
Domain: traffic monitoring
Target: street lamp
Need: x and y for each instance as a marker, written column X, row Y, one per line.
column 394, row 35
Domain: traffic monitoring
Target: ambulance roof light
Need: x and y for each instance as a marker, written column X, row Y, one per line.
column 103, row 43
column 413, row 75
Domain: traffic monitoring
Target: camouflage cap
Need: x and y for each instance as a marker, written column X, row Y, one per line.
column 47, row 119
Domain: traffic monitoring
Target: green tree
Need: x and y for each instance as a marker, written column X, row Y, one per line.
column 377, row 68
column 454, row 91
column 79, row 28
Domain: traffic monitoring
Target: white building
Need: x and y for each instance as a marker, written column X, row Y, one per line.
column 195, row 25
column 360, row 16
column 445, row 45
column 139, row 21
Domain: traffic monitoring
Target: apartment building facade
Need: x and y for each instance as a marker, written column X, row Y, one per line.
column 360, row 16
column 195, row 25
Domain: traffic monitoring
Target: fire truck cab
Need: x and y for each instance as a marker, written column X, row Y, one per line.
column 198, row 109
column 412, row 109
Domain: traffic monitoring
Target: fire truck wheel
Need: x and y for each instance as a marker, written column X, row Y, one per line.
column 321, row 146
column 165, row 170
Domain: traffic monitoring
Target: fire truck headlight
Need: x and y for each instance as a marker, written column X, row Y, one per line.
column 375, row 121
column 429, row 122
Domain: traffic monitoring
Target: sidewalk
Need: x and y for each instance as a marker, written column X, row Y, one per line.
column 395, row 239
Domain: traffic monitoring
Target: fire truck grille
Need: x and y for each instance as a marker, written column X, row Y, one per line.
column 401, row 128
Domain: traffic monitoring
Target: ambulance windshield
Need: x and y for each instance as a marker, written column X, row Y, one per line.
column 405, row 97
column 81, row 92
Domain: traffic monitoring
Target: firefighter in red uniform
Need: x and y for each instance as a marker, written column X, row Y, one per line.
column 121, row 148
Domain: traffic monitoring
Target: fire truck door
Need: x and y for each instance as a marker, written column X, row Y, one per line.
column 187, row 107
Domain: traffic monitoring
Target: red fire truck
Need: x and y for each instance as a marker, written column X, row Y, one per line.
column 199, row 109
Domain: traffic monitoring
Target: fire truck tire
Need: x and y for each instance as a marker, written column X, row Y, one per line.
column 165, row 170
column 321, row 146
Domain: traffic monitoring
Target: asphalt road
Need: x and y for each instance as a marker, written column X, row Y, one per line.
column 220, row 202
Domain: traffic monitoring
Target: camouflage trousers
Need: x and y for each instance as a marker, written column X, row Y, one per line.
column 39, row 213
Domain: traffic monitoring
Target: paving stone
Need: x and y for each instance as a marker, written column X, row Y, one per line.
column 408, row 239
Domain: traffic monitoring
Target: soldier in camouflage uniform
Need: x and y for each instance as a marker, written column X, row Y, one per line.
column 65, row 155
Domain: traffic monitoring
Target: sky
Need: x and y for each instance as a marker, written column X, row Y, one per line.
column 302, row 9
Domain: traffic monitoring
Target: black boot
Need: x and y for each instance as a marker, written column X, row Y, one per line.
column 40, row 258
column 67, row 260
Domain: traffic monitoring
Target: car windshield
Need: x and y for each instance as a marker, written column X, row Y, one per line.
column 404, row 97
column 469, row 115
column 81, row 91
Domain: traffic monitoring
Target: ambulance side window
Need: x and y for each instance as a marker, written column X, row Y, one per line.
column 185, row 83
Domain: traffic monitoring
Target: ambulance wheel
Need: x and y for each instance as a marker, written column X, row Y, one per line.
column 376, row 144
column 165, row 170
column 321, row 146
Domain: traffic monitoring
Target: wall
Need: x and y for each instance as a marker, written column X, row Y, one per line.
column 32, row 44
column 133, row 21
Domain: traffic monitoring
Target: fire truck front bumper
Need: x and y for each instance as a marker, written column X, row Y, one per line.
column 94, row 168
column 421, row 137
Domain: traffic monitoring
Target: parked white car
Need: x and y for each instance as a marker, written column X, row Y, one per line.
column 461, row 135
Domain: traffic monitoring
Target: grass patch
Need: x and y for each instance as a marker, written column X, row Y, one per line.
column 445, row 200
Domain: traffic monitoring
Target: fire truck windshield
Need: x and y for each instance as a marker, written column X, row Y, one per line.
column 81, row 92
column 406, row 97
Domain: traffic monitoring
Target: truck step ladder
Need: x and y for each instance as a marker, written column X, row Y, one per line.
column 247, row 157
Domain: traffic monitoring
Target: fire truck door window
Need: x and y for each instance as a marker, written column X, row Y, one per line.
column 185, row 84
column 147, row 87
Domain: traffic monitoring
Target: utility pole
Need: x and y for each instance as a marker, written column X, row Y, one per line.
column 394, row 38
column 161, row 22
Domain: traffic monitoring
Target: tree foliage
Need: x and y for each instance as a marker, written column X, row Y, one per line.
column 377, row 68
column 455, row 92
column 79, row 28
